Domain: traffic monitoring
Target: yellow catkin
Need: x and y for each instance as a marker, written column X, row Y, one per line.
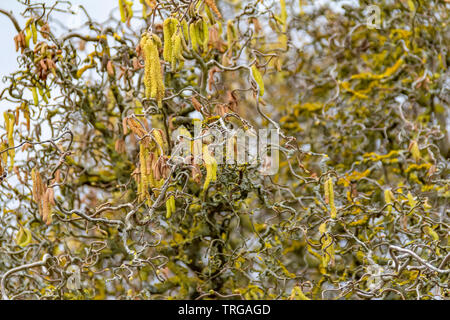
column 169, row 29
column 27, row 36
column 149, row 159
column 415, row 151
column 123, row 17
column 326, row 192
column 204, row 35
column 283, row 18
column 211, row 167
column 130, row 9
column 144, row 9
column 34, row 32
column 143, row 171
column 194, row 36
column 35, row 96
column 170, row 204
column 146, row 49
column 199, row 34
column 283, row 11
column 148, row 177
column 168, row 32
column 9, row 126
column 4, row 155
column 389, row 198
column 328, row 251
column 259, row 79
column 139, row 185
column 168, row 209
column 126, row 10
column 158, row 135
column 176, row 51
column 411, row 201
column 153, row 81
column 185, row 29
column 329, row 194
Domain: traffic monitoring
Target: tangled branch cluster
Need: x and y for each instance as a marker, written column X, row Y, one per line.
column 95, row 205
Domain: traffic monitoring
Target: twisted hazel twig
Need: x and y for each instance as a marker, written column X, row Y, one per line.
column 415, row 256
column 41, row 263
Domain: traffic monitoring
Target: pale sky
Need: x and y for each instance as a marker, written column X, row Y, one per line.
column 98, row 10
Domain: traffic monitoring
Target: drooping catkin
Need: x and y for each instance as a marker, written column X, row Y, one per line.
column 27, row 36
column 126, row 11
column 199, row 34
column 415, row 151
column 212, row 5
column 283, row 18
column 177, row 50
column 194, row 37
column 172, row 52
column 47, row 205
column 153, row 78
column 9, row 126
column 144, row 182
column 147, row 3
column 154, row 72
column 34, row 32
column 211, row 167
column 170, row 204
column 159, row 138
column 389, row 198
column 43, row 196
column 185, row 29
column 122, row 11
column 169, row 28
column 328, row 251
column 150, row 173
column 35, row 96
column 38, row 186
column 329, row 194
column 259, row 79
column 204, row 35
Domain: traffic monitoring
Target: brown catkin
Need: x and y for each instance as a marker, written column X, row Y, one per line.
column 212, row 5
column 136, row 127
column 38, row 185
column 45, row 207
